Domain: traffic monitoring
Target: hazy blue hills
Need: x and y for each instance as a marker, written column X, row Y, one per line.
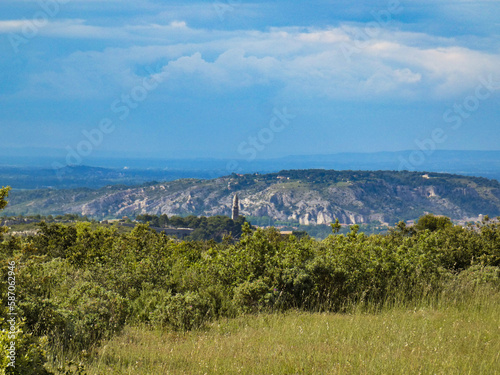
column 36, row 172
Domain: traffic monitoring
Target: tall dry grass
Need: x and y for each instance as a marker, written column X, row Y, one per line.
column 457, row 333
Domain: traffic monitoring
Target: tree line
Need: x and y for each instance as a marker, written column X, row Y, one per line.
column 205, row 228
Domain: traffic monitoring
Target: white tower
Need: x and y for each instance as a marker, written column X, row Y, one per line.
column 236, row 208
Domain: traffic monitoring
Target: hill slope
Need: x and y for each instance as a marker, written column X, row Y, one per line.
column 305, row 196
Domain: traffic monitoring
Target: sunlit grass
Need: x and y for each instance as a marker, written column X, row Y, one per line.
column 444, row 338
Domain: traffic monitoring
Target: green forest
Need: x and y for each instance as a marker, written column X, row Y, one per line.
column 74, row 286
column 205, row 228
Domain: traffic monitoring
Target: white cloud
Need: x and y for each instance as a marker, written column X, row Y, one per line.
column 407, row 76
column 295, row 60
column 80, row 29
column 12, row 25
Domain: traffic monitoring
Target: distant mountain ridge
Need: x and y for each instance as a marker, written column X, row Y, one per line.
column 302, row 196
column 36, row 173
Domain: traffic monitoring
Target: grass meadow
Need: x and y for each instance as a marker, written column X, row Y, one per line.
column 458, row 334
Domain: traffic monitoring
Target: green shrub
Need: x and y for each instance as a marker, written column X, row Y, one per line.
column 433, row 223
column 150, row 306
column 54, row 240
column 28, row 352
column 294, row 288
column 480, row 275
column 182, row 311
column 94, row 314
column 187, row 311
column 251, row 296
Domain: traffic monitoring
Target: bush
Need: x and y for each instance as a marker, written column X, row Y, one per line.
column 480, row 275
column 29, row 353
column 182, row 311
column 251, row 296
column 150, row 307
column 433, row 223
column 187, row 311
column 94, row 314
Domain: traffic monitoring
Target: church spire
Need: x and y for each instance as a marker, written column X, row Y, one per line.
column 236, row 208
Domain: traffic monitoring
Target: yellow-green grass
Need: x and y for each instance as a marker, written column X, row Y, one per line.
column 449, row 338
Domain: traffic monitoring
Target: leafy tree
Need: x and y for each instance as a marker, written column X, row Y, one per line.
column 402, row 229
column 433, row 223
column 336, row 227
column 4, row 192
column 205, row 228
column 29, row 355
column 55, row 240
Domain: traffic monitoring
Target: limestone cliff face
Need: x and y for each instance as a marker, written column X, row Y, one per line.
column 314, row 198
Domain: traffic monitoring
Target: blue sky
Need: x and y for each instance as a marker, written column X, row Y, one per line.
column 243, row 79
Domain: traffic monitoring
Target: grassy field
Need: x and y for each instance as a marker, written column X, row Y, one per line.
column 453, row 337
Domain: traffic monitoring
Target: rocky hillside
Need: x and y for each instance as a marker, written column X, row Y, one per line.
column 303, row 196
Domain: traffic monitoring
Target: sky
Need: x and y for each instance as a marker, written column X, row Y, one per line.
column 247, row 79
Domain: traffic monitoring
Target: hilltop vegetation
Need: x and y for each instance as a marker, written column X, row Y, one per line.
column 29, row 173
column 205, row 228
column 81, row 284
column 305, row 197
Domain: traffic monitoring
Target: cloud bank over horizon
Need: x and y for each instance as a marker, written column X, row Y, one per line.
column 358, row 77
